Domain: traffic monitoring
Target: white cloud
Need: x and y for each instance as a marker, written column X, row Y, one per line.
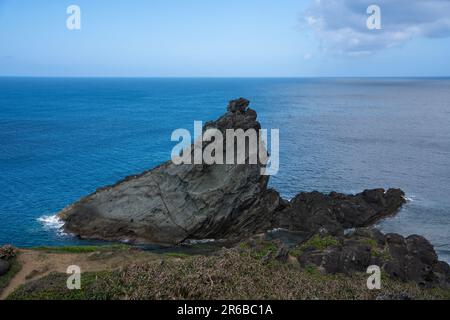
column 341, row 24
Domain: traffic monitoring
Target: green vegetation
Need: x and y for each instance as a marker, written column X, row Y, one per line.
column 263, row 249
column 382, row 253
column 176, row 254
column 94, row 286
column 6, row 278
column 231, row 274
column 321, row 242
column 376, row 251
column 82, row 249
column 317, row 242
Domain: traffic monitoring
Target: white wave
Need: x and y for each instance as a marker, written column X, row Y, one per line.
column 52, row 222
column 275, row 230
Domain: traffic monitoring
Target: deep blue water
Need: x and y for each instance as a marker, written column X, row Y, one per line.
column 60, row 139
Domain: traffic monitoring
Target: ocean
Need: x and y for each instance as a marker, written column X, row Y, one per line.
column 61, row 138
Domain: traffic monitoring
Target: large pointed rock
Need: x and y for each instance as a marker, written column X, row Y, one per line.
column 171, row 203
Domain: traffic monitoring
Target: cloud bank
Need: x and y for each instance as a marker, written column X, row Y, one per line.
column 341, row 26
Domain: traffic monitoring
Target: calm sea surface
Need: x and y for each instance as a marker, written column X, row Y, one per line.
column 60, row 139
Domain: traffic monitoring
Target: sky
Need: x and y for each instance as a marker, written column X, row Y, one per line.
column 224, row 38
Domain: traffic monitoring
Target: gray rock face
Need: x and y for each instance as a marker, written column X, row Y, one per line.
column 171, row 203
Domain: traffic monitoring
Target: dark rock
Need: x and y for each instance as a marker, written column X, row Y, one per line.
column 172, row 203
column 422, row 248
column 442, row 272
column 394, row 270
column 239, row 105
column 410, row 259
column 336, row 212
column 371, row 233
column 347, row 258
column 4, row 267
column 354, row 257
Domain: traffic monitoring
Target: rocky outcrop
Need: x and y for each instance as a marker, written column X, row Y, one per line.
column 335, row 212
column 172, row 202
column 407, row 259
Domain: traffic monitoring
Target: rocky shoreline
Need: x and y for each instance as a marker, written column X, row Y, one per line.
column 172, row 203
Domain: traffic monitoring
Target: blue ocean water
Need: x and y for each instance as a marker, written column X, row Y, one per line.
column 61, row 138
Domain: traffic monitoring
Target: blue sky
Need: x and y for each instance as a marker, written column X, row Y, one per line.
column 224, row 38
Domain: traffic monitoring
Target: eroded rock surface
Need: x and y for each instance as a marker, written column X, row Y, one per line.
column 406, row 259
column 174, row 202
column 335, row 212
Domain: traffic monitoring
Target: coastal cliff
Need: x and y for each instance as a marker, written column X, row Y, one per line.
column 174, row 203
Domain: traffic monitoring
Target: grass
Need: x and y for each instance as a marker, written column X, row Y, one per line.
column 263, row 249
column 231, row 274
column 377, row 251
column 81, row 249
column 176, row 255
column 317, row 242
column 6, row 278
column 94, row 286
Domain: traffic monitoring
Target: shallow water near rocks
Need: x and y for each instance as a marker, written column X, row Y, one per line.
column 60, row 139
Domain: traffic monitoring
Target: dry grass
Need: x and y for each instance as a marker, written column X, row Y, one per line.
column 232, row 274
column 237, row 275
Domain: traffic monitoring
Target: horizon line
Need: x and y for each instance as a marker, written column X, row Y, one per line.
column 218, row 77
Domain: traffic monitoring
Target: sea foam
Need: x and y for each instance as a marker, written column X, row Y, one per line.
column 52, row 222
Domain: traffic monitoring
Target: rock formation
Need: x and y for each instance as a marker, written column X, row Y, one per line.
column 407, row 259
column 312, row 211
column 172, row 203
